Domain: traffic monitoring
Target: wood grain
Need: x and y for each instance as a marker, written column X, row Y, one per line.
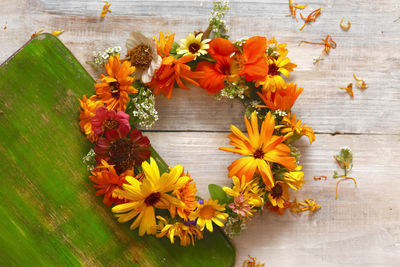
column 362, row 227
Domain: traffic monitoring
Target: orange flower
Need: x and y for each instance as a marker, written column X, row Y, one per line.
column 171, row 70
column 253, row 63
column 261, row 149
column 291, row 126
column 282, row 99
column 88, row 109
column 107, row 180
column 186, row 194
column 114, row 88
column 215, row 74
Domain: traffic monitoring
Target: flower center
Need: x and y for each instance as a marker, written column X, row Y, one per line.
column 122, row 155
column 194, row 47
column 114, row 89
column 152, row 199
column 140, row 56
column 276, row 191
column 110, row 124
column 273, row 69
column 206, row 212
column 259, row 154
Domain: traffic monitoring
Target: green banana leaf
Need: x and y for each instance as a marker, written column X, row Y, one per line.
column 49, row 213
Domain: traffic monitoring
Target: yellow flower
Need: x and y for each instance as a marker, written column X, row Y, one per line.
column 194, row 45
column 207, row 213
column 279, row 194
column 291, row 126
column 149, row 194
column 251, row 191
column 261, row 149
column 186, row 233
column 87, row 110
column 294, row 179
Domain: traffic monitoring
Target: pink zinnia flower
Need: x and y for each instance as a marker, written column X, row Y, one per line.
column 240, row 206
column 115, row 125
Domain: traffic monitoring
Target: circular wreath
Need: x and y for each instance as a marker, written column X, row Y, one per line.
column 162, row 200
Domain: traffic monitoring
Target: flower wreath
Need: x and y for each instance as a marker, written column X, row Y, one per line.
column 162, row 201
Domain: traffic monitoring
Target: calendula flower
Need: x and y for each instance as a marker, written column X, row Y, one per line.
column 261, row 149
column 187, row 233
column 87, row 111
column 279, row 194
column 282, row 99
column 115, row 125
column 252, row 60
column 214, row 75
column 106, row 179
column 114, row 88
column 207, row 213
column 150, row 194
column 125, row 153
column 186, row 194
column 294, row 179
column 193, row 45
column 291, row 126
column 241, row 207
column 171, row 70
column 250, row 190
column 142, row 53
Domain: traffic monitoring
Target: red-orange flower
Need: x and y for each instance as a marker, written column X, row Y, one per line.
column 114, row 88
column 171, row 70
column 215, row 74
column 253, row 64
column 282, row 99
column 106, row 179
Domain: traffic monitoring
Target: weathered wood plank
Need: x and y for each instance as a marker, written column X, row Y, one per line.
column 367, row 50
column 361, row 228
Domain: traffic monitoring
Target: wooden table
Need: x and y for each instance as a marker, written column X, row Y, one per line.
column 361, row 227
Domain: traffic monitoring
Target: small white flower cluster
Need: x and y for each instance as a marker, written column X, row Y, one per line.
column 144, row 111
column 90, row 160
column 231, row 91
column 234, row 226
column 346, row 148
column 100, row 58
column 217, row 22
column 251, row 106
column 294, row 152
column 279, row 113
column 240, row 42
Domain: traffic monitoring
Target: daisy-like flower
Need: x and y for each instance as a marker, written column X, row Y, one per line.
column 186, row 194
column 114, row 88
column 193, row 45
column 207, row 213
column 250, row 190
column 282, row 99
column 261, row 149
column 150, row 194
column 279, row 194
column 106, row 179
column 124, row 153
column 115, row 125
column 87, row 111
column 241, row 207
column 142, row 53
column 187, row 233
column 291, row 127
column 294, row 179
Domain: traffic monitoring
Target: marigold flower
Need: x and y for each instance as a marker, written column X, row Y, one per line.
column 250, row 190
column 114, row 88
column 124, row 153
column 291, row 127
column 115, row 125
column 106, row 179
column 294, row 179
column 149, row 194
column 172, row 70
column 261, row 149
column 252, row 60
column 186, row 194
column 215, row 75
column 187, row 233
column 193, row 45
column 208, row 213
column 87, row 111
column 282, row 99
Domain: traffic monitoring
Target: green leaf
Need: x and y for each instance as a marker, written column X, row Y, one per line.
column 217, row 193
